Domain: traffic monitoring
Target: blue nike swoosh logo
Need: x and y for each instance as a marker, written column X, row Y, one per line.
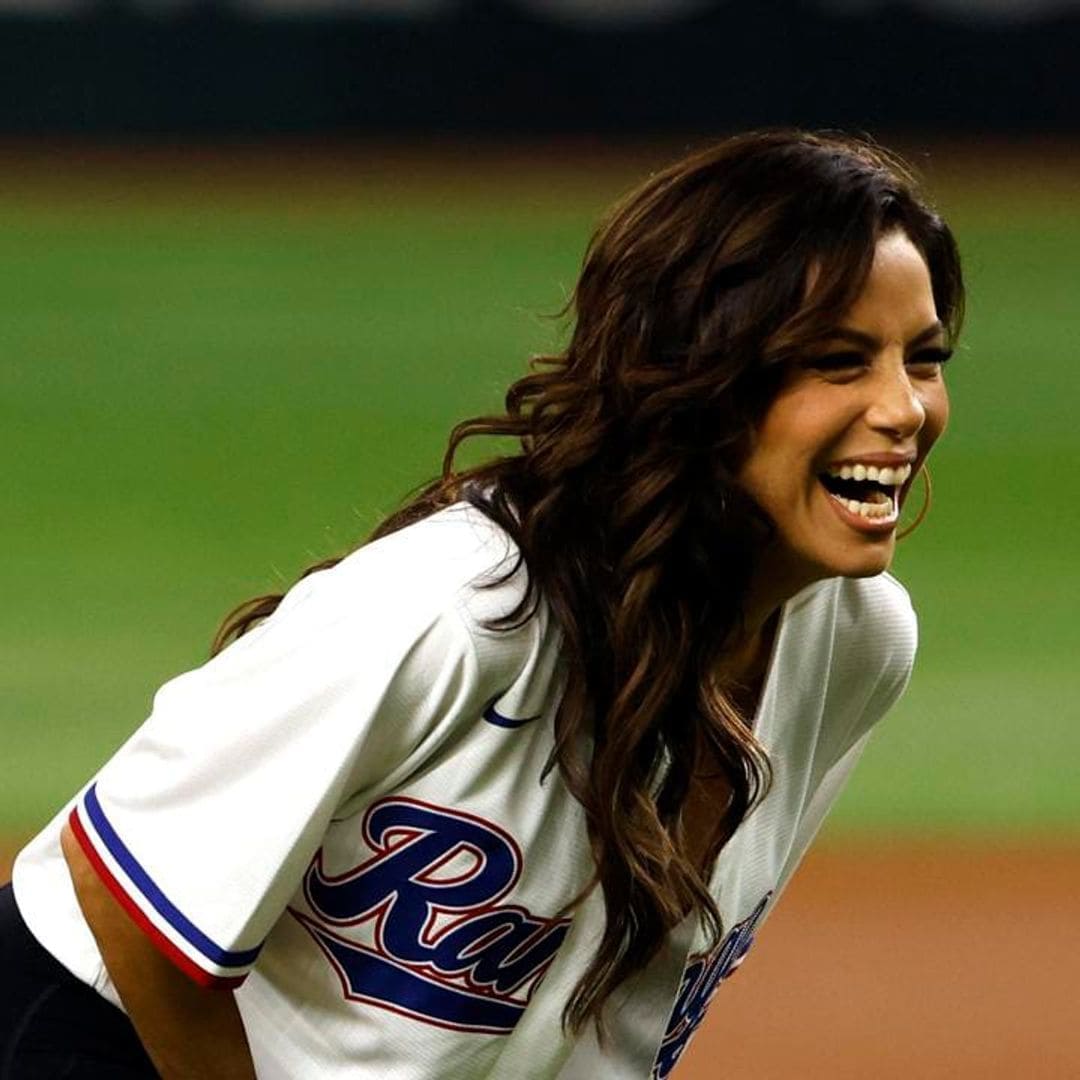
column 492, row 716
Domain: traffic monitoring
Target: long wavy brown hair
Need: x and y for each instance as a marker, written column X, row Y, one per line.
column 623, row 502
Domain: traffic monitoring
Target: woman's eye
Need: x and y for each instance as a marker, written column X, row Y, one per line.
column 929, row 357
column 837, row 362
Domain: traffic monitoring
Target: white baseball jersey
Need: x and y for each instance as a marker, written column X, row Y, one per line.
column 342, row 815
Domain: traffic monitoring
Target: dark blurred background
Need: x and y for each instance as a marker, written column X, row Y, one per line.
column 517, row 67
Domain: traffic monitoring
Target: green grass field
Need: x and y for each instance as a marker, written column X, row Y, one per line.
column 205, row 386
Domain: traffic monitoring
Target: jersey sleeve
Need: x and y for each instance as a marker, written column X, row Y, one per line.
column 204, row 822
column 817, row 810
column 877, row 636
column 874, row 646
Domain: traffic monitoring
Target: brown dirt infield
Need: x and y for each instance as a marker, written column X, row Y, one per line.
column 8, row 849
column 918, row 963
column 886, row 962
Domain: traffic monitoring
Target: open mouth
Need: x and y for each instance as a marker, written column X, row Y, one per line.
column 870, row 492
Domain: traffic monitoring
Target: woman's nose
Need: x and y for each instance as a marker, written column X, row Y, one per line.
column 896, row 406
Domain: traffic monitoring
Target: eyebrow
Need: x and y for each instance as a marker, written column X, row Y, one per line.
column 868, row 341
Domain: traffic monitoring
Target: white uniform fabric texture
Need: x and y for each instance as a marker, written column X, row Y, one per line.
column 342, row 814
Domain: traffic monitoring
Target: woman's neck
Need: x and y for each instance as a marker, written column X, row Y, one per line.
column 746, row 662
column 775, row 581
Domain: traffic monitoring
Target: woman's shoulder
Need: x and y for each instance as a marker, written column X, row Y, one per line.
column 445, row 550
column 457, row 563
column 853, row 641
column 870, row 620
column 880, row 607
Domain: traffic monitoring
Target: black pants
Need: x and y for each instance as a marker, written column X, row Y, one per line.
column 52, row 1025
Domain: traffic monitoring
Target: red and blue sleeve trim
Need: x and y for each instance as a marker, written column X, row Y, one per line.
column 152, row 896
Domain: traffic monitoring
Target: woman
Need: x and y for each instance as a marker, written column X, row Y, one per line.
column 475, row 800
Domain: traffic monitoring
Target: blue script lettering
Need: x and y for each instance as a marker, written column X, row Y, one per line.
column 444, row 951
column 702, row 978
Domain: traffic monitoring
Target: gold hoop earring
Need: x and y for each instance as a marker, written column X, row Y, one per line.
column 924, row 472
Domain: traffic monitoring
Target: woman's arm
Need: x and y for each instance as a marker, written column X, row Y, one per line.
column 188, row 1031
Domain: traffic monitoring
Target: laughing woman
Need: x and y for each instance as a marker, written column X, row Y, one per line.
column 507, row 791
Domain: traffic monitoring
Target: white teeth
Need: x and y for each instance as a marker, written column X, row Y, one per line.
column 875, row 511
column 882, row 507
column 889, row 477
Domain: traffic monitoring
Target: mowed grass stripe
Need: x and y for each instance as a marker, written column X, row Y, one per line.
column 199, row 399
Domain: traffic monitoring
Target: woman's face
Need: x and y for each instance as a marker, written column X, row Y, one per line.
column 871, row 397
